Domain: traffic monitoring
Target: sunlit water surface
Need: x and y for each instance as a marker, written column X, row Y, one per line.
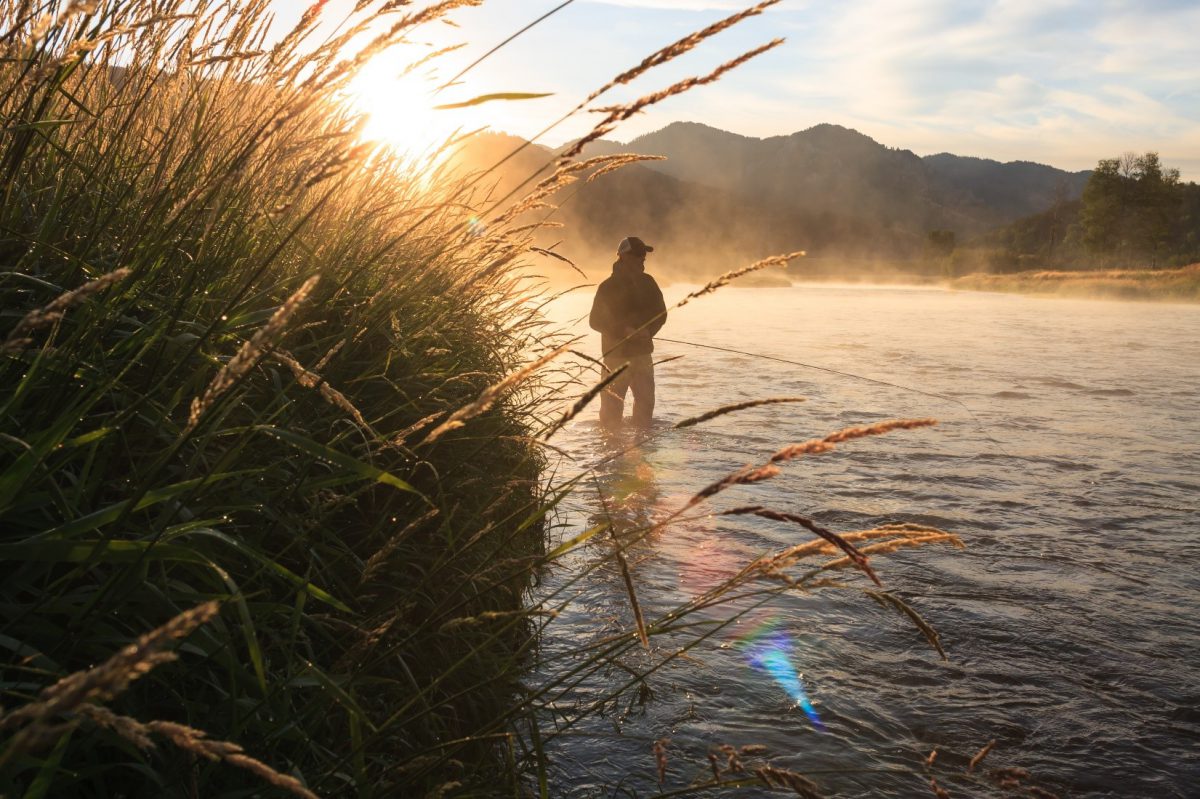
column 1070, row 620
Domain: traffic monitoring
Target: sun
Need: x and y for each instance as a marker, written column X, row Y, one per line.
column 400, row 108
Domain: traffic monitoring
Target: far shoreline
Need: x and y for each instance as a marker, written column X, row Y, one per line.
column 1140, row 285
column 1181, row 285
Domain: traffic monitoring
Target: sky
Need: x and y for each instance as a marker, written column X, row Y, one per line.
column 1060, row 82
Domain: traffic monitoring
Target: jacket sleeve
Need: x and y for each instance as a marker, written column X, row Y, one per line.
column 655, row 301
column 601, row 318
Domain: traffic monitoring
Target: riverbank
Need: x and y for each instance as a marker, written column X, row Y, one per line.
column 1165, row 285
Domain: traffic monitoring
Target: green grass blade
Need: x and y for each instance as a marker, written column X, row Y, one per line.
column 118, row 551
column 340, row 459
column 571, row 543
column 282, row 571
column 488, row 98
column 113, row 512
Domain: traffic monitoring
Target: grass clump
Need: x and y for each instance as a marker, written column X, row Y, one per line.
column 227, row 325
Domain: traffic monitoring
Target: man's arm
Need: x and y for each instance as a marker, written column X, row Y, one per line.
column 655, row 296
column 601, row 318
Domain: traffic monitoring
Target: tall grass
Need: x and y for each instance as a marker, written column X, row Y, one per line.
column 238, row 414
column 249, row 359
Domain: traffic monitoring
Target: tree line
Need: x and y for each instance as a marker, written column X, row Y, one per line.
column 1134, row 212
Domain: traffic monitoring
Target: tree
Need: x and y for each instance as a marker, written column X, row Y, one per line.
column 1103, row 207
column 1130, row 207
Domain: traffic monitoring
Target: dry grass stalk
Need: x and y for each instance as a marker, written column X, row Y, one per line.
column 638, row 619
column 583, row 401
column 754, row 474
column 488, row 397
column 102, row 683
column 680, row 47
column 620, row 113
column 622, row 161
column 932, row 757
column 733, row 763
column 376, row 561
column 443, row 789
column 714, row 763
column 884, row 547
column 495, row 615
column 729, row 277
column 563, row 258
column 313, row 380
column 820, row 547
column 818, row 445
column 744, row 476
column 754, row 749
column 128, row 728
column 425, row 59
column 18, row 338
column 737, row 406
column 393, row 35
column 328, row 356
column 896, row 603
column 782, row 778
column 980, row 755
column 536, row 197
column 98, row 684
column 368, row 640
column 851, row 551
column 402, row 436
column 564, row 176
column 249, row 354
column 198, row 742
column 660, row 758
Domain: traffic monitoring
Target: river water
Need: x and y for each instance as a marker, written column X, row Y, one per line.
column 1072, row 475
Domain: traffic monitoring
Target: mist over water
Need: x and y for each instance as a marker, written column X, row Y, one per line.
column 1070, row 620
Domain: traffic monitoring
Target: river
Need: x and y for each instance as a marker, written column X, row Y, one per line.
column 1070, row 470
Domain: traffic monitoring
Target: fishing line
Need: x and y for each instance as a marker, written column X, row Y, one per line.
column 943, row 397
column 979, row 424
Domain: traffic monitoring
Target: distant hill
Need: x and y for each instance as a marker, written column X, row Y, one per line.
column 700, row 230
column 721, row 199
column 1007, row 191
column 836, row 169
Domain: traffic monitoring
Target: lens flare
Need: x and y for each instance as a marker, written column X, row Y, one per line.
column 769, row 649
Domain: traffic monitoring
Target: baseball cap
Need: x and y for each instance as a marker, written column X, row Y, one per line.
column 632, row 244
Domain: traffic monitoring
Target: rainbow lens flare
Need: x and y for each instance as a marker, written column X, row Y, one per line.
column 769, row 649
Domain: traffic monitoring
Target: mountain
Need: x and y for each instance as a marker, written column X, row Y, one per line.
column 721, row 200
column 1009, row 191
column 699, row 230
column 836, row 169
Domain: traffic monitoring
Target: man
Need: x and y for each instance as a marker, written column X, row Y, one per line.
column 628, row 311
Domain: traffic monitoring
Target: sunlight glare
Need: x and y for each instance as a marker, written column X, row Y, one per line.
column 400, row 108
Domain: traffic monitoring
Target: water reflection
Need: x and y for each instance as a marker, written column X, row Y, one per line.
column 625, row 489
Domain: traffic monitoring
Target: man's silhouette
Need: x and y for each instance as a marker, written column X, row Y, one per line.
column 628, row 311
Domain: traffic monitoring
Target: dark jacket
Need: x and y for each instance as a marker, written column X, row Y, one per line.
column 629, row 298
